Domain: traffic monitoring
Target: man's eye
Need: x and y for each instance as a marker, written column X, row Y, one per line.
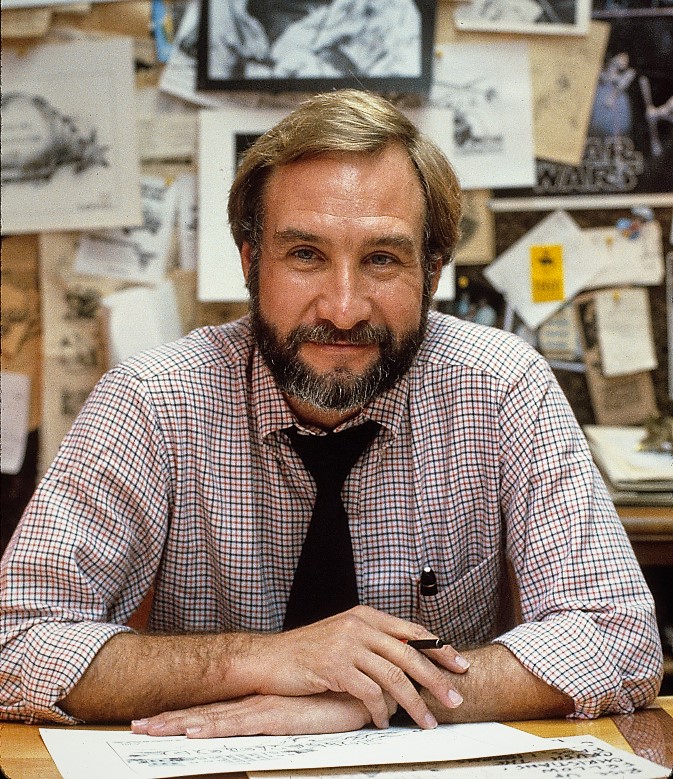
column 381, row 260
column 304, row 254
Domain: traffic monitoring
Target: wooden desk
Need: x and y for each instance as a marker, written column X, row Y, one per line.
column 648, row 733
column 650, row 529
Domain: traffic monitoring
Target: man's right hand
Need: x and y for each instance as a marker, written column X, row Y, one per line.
column 359, row 652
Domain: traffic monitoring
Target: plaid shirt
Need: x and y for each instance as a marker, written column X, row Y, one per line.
column 178, row 473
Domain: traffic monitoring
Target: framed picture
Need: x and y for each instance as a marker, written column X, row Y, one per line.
column 555, row 17
column 310, row 45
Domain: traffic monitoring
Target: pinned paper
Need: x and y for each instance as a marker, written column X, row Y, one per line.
column 140, row 318
column 134, row 254
column 546, row 273
column 15, row 392
column 511, row 274
column 624, row 331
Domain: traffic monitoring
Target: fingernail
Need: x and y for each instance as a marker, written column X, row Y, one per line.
column 193, row 731
column 455, row 698
column 462, row 662
column 430, row 721
column 139, row 722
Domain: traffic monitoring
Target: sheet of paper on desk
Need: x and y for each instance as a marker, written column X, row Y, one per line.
column 81, row 754
column 578, row 756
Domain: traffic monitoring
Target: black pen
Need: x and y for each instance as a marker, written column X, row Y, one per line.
column 424, row 643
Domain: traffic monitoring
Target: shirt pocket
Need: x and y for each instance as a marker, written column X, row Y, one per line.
column 464, row 612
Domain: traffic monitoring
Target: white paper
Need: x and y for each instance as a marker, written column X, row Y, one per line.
column 69, row 157
column 81, row 754
column 15, row 397
column 624, row 331
column 140, row 318
column 572, row 756
column 510, row 272
column 615, row 449
column 527, row 16
column 636, row 260
column 187, row 215
column 487, row 126
column 135, row 254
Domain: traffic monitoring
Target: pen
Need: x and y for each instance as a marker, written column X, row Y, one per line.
column 425, row 643
column 428, row 583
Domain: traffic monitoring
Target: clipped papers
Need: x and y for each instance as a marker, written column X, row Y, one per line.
column 511, row 274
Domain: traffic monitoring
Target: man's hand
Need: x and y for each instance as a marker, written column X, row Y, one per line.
column 359, row 652
column 269, row 715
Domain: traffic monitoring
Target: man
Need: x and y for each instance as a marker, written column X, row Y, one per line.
column 181, row 472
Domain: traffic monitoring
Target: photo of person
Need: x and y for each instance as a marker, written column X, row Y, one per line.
column 262, row 44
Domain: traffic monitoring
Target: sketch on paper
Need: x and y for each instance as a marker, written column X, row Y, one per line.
column 312, row 44
column 39, row 139
column 69, row 159
column 532, row 16
column 491, row 136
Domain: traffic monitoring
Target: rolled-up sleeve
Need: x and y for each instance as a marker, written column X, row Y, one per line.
column 88, row 549
column 589, row 626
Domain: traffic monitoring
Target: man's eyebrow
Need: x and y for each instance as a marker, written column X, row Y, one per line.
column 394, row 240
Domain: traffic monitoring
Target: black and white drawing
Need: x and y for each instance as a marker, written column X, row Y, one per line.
column 628, row 153
column 529, row 16
column 69, row 159
column 39, row 139
column 304, row 45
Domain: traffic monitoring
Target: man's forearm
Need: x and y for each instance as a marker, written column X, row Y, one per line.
column 498, row 688
column 136, row 676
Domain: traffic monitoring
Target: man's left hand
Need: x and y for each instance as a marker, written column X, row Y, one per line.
column 272, row 715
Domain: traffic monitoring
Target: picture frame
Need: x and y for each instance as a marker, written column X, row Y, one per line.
column 538, row 17
column 381, row 45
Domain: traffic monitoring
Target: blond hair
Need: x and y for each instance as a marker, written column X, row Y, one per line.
column 348, row 120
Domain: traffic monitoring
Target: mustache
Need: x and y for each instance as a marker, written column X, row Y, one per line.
column 362, row 334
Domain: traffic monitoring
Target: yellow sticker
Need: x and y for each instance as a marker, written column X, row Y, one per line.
column 546, row 273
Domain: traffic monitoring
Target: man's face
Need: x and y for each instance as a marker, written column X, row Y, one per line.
column 339, row 301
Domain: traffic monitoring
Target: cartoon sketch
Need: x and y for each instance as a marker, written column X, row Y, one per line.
column 473, row 107
column 38, row 140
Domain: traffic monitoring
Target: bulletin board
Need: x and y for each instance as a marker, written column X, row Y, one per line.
column 38, row 281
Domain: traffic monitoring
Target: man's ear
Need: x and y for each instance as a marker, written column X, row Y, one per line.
column 436, row 273
column 246, row 259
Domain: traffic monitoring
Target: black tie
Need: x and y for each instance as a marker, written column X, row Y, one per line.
column 324, row 582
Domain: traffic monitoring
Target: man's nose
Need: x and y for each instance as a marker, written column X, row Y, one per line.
column 345, row 299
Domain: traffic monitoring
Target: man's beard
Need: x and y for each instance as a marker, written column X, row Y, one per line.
column 339, row 389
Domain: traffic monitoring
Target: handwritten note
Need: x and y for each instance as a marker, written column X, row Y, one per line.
column 81, row 754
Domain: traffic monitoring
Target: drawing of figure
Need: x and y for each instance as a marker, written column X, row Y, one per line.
column 314, row 38
column 612, row 113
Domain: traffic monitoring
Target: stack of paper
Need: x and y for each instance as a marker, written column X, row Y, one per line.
column 631, row 475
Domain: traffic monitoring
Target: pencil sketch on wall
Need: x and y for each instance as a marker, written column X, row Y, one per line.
column 555, row 17
column 69, row 158
column 39, row 139
column 305, row 45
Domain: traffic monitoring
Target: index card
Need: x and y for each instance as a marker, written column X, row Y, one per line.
column 624, row 331
column 634, row 260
